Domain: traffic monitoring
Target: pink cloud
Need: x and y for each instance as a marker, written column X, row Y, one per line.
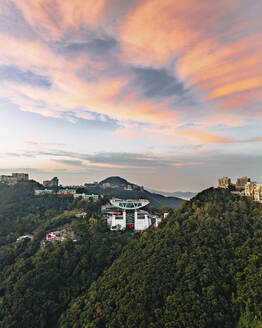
column 216, row 59
column 182, row 164
column 219, row 58
column 52, row 18
column 118, row 166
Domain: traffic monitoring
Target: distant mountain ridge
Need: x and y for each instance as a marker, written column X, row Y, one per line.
column 118, row 187
column 181, row 194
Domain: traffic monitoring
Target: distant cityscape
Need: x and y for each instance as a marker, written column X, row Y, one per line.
column 243, row 187
column 120, row 214
column 126, row 213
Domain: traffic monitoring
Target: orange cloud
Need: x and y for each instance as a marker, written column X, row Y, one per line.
column 68, row 91
column 156, row 30
column 201, row 136
column 237, row 86
column 118, row 166
column 169, row 135
column 214, row 55
column 222, row 67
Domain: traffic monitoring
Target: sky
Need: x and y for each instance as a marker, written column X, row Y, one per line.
column 167, row 94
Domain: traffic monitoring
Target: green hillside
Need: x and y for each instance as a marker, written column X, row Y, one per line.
column 37, row 284
column 22, row 212
column 202, row 268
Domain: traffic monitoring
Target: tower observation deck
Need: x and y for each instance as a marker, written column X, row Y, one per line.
column 131, row 216
column 129, row 204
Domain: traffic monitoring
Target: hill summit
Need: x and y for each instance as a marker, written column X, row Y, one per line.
column 118, row 182
column 201, row 268
column 121, row 188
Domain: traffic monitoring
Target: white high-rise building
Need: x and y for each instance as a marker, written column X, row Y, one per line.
column 250, row 188
column 258, row 193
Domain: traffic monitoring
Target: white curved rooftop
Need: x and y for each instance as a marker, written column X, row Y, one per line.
column 129, row 204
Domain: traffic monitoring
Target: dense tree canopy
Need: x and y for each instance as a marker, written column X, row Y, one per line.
column 201, row 268
column 37, row 284
column 22, row 212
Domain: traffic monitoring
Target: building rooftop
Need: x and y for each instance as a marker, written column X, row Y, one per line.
column 129, row 203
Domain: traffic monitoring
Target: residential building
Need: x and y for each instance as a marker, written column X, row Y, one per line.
column 158, row 220
column 81, row 215
column 91, row 185
column 258, row 193
column 224, row 182
column 241, row 182
column 53, row 183
column 14, row 178
column 39, row 192
column 60, row 235
column 21, row 176
column 88, row 197
column 66, row 191
column 250, row 189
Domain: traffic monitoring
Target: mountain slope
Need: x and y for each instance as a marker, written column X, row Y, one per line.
column 21, row 212
column 121, row 188
column 201, row 269
column 180, row 194
column 37, row 283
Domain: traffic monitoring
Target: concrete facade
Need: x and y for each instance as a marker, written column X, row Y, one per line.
column 241, row 182
column 224, row 182
column 14, row 178
column 127, row 214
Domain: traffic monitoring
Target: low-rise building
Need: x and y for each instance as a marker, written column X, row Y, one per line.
column 39, row 192
column 81, row 215
column 59, row 235
column 88, row 197
column 66, row 191
column 91, row 185
column 158, row 220
column 128, row 188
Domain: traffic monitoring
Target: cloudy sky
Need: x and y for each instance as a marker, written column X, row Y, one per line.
column 167, row 94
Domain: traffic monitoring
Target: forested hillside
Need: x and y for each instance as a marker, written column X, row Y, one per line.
column 21, row 211
column 202, row 268
column 37, row 284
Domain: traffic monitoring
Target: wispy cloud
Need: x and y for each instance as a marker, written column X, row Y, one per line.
column 16, row 75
